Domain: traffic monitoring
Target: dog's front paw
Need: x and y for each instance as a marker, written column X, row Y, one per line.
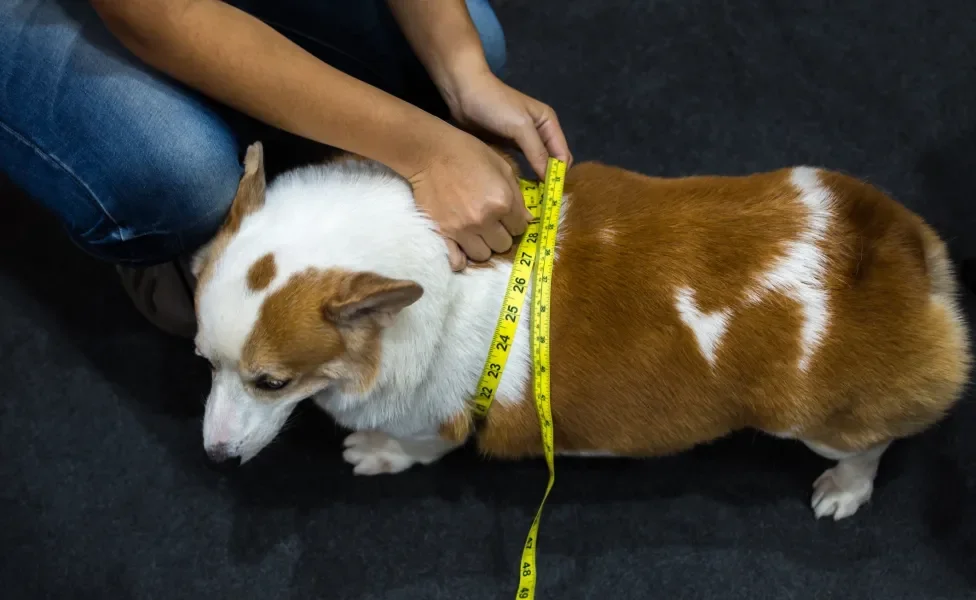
column 374, row 453
column 840, row 492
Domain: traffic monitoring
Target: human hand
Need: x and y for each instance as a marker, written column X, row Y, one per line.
column 481, row 101
column 472, row 194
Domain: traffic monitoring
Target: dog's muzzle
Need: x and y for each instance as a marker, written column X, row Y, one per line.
column 218, row 453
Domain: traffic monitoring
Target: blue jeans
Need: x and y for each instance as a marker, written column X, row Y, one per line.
column 139, row 169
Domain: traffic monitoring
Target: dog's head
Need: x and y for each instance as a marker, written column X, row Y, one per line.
column 276, row 332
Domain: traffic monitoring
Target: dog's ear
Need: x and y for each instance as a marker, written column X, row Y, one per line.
column 199, row 259
column 362, row 296
column 249, row 198
column 250, row 189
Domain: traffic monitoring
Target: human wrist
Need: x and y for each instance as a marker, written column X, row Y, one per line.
column 419, row 140
column 445, row 40
column 454, row 74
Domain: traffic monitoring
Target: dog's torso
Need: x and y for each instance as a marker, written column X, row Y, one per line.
column 801, row 302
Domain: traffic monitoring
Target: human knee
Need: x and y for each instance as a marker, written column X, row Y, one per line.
column 167, row 204
column 491, row 33
column 136, row 168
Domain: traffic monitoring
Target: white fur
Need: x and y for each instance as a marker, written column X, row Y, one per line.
column 359, row 217
column 375, row 452
column 708, row 329
column 608, row 235
column 790, row 434
column 238, row 423
column 799, row 272
column 844, row 488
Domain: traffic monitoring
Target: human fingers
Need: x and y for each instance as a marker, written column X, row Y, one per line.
column 551, row 133
column 517, row 220
column 473, row 246
column 528, row 139
column 455, row 256
column 496, row 237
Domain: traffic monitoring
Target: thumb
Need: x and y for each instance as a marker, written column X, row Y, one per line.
column 456, row 257
column 520, row 201
column 528, row 139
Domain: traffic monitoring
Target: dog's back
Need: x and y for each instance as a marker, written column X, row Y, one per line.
column 801, row 302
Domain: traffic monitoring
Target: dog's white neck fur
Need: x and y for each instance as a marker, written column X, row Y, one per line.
column 360, row 216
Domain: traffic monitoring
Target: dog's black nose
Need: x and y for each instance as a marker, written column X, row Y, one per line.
column 218, row 453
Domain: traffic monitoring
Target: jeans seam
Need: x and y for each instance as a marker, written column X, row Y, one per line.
column 59, row 164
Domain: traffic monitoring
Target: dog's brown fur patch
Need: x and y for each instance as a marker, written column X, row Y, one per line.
column 262, row 273
column 325, row 324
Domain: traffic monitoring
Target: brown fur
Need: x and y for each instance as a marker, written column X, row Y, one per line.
column 261, row 273
column 892, row 362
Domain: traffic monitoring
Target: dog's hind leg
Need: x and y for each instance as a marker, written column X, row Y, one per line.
column 844, row 488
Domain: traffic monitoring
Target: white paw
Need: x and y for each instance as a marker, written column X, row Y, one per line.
column 374, row 453
column 840, row 492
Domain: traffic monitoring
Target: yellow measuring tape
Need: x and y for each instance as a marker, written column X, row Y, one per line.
column 536, row 254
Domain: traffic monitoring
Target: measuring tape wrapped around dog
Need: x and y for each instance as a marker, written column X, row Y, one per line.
column 534, row 261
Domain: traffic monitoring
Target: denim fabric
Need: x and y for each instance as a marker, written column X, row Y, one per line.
column 137, row 168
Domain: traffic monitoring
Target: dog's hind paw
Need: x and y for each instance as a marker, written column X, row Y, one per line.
column 840, row 492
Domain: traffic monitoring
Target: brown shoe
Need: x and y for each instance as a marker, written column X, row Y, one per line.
column 164, row 295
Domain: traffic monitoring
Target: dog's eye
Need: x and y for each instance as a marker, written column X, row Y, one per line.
column 269, row 383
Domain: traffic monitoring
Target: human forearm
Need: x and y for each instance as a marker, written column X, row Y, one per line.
column 253, row 68
column 445, row 40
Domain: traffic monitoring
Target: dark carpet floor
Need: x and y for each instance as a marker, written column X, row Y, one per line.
column 105, row 491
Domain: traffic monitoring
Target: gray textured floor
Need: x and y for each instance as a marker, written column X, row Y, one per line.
column 106, row 493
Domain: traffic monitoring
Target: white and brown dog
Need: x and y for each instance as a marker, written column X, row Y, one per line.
column 799, row 302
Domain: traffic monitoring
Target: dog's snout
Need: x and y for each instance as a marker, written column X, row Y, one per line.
column 218, row 452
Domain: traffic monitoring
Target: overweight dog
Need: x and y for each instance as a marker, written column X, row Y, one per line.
column 799, row 302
